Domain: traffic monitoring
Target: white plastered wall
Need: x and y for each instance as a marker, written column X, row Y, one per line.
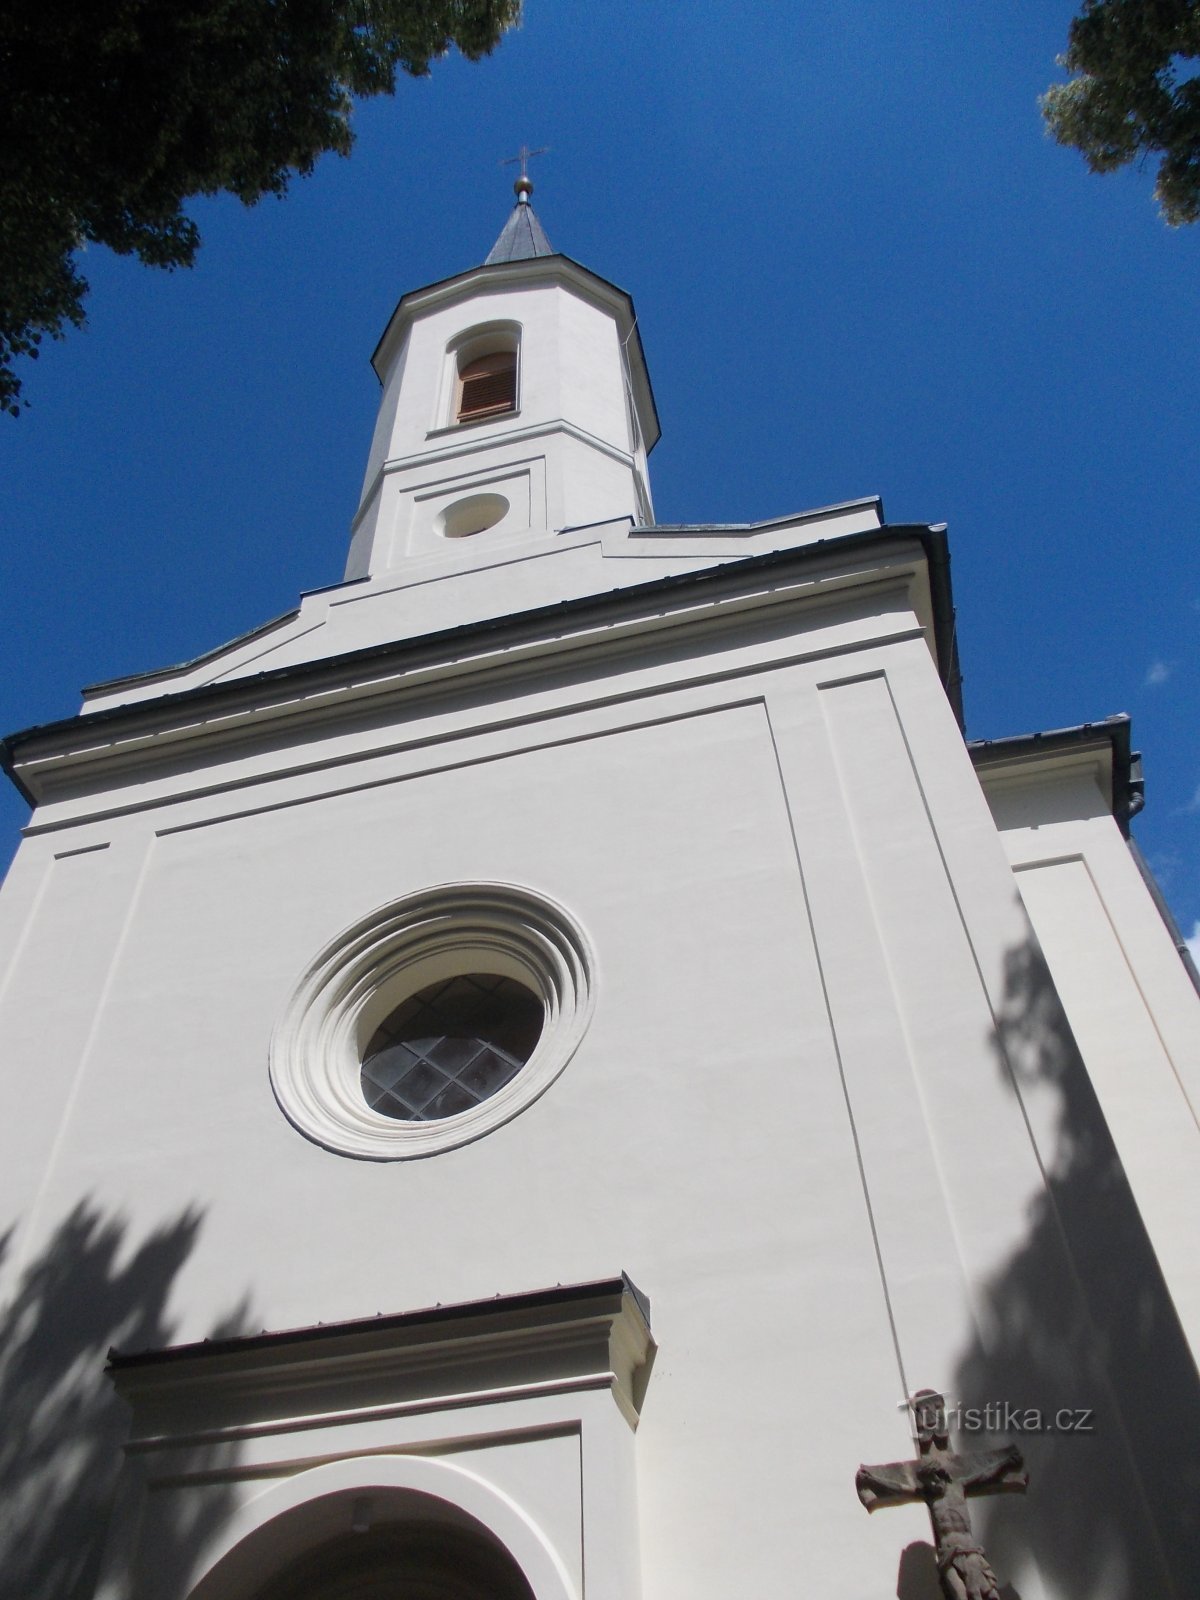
column 1131, row 1004
column 793, row 1120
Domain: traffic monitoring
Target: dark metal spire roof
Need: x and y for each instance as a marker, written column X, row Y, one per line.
column 522, row 236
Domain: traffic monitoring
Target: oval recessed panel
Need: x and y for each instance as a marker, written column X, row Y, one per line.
column 475, row 514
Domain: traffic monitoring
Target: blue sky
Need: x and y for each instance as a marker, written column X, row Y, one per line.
column 859, row 265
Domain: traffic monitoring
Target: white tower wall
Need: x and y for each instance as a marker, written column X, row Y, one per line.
column 572, row 452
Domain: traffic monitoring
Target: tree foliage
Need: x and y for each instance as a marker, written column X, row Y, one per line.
column 1136, row 92
column 114, row 112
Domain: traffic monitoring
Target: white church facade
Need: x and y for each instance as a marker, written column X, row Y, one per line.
column 529, row 1059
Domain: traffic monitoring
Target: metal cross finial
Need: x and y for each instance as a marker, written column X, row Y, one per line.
column 524, row 185
column 523, row 156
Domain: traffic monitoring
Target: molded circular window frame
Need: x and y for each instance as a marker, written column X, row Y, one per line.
column 373, row 966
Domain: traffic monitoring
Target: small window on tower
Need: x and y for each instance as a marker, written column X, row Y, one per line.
column 487, row 386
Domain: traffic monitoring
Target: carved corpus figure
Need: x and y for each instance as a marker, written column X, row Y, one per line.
column 944, row 1480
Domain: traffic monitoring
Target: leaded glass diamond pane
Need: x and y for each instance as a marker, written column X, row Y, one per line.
column 453, row 1054
column 449, row 1103
column 489, row 1071
column 450, row 1047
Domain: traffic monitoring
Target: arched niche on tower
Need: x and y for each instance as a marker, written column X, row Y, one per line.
column 481, row 377
column 368, row 1528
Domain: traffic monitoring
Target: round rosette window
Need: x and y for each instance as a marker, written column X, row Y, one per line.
column 432, row 1021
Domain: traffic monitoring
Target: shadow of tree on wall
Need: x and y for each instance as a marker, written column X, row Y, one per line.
column 61, row 1423
column 1081, row 1320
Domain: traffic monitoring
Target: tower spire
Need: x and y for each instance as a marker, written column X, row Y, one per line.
column 522, row 237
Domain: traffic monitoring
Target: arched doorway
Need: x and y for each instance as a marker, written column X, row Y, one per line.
column 420, row 1561
column 382, row 1528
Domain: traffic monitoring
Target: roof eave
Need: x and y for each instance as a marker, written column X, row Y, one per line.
column 1113, row 734
column 931, row 540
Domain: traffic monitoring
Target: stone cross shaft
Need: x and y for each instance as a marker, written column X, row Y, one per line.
column 944, row 1480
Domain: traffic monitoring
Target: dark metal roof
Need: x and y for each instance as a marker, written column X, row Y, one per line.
column 1128, row 787
column 1164, row 911
column 521, row 238
column 1128, row 794
column 108, row 684
column 790, row 519
column 431, row 1316
column 932, row 539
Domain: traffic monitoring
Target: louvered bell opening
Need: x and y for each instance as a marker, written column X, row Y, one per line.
column 489, row 386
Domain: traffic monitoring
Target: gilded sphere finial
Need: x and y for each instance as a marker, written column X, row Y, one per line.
column 523, row 187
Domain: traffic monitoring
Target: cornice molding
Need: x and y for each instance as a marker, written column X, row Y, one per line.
column 563, row 1340
column 46, row 761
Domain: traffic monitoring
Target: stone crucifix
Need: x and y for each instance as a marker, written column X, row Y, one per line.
column 944, row 1480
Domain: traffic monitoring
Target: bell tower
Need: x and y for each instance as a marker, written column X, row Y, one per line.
column 516, row 404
